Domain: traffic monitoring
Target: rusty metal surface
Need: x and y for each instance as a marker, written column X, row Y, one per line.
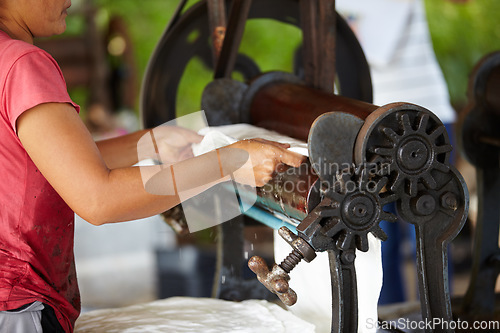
column 292, row 192
column 232, row 39
column 217, row 24
column 402, row 150
column 275, row 280
column 302, row 249
column 408, row 138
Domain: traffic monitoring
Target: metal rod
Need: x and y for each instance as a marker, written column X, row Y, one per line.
column 308, row 19
column 318, row 23
column 217, row 24
column 177, row 14
column 327, row 34
column 268, row 219
column 234, row 33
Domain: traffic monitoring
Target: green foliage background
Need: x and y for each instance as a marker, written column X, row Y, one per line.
column 462, row 33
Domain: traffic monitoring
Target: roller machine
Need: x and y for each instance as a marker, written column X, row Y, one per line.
column 361, row 156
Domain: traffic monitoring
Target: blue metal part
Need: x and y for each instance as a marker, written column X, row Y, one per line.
column 269, row 219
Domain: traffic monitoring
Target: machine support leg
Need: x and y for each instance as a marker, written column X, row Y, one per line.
column 480, row 296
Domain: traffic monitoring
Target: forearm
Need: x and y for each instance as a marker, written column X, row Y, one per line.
column 120, row 152
column 132, row 193
column 122, row 197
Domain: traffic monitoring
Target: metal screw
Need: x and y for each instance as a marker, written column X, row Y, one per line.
column 449, row 200
column 291, row 261
column 347, row 257
column 301, row 250
column 425, row 205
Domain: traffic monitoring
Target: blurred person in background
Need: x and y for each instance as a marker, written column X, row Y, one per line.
column 395, row 38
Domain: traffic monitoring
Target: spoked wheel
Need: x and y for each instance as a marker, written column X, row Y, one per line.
column 188, row 39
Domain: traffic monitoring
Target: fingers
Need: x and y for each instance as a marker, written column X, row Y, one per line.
column 190, row 136
column 176, row 136
column 273, row 143
column 280, row 149
column 185, row 153
column 283, row 155
column 291, row 158
column 267, row 158
column 263, row 175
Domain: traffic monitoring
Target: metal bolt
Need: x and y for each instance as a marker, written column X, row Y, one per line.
column 347, row 257
column 449, row 200
column 291, row 261
column 298, row 244
column 425, row 205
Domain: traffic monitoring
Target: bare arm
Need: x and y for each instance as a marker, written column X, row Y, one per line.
column 63, row 150
column 174, row 145
column 120, row 152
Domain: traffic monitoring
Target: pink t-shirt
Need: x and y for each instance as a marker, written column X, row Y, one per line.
column 37, row 227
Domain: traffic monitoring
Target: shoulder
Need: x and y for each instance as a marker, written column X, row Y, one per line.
column 29, row 76
column 14, row 51
column 13, row 48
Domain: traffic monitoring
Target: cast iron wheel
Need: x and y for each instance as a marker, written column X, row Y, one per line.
column 188, row 37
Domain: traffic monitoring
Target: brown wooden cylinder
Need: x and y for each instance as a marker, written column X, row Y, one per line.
column 291, row 109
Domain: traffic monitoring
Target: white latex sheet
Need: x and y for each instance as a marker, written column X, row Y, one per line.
column 187, row 314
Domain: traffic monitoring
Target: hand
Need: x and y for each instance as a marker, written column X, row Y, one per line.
column 169, row 144
column 265, row 158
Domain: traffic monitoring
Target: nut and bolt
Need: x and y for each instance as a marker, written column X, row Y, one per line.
column 301, row 250
column 449, row 201
column 347, row 257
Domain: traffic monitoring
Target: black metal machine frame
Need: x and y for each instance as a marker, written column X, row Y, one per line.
column 395, row 153
column 479, row 141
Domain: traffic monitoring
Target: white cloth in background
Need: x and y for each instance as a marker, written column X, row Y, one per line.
column 186, row 314
column 312, row 280
column 395, row 38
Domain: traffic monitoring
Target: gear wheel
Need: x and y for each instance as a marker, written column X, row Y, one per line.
column 418, row 145
column 357, row 209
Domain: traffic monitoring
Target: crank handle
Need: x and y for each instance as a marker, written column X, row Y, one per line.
column 276, row 280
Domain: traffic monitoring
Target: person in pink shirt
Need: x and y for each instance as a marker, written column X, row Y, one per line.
column 51, row 168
